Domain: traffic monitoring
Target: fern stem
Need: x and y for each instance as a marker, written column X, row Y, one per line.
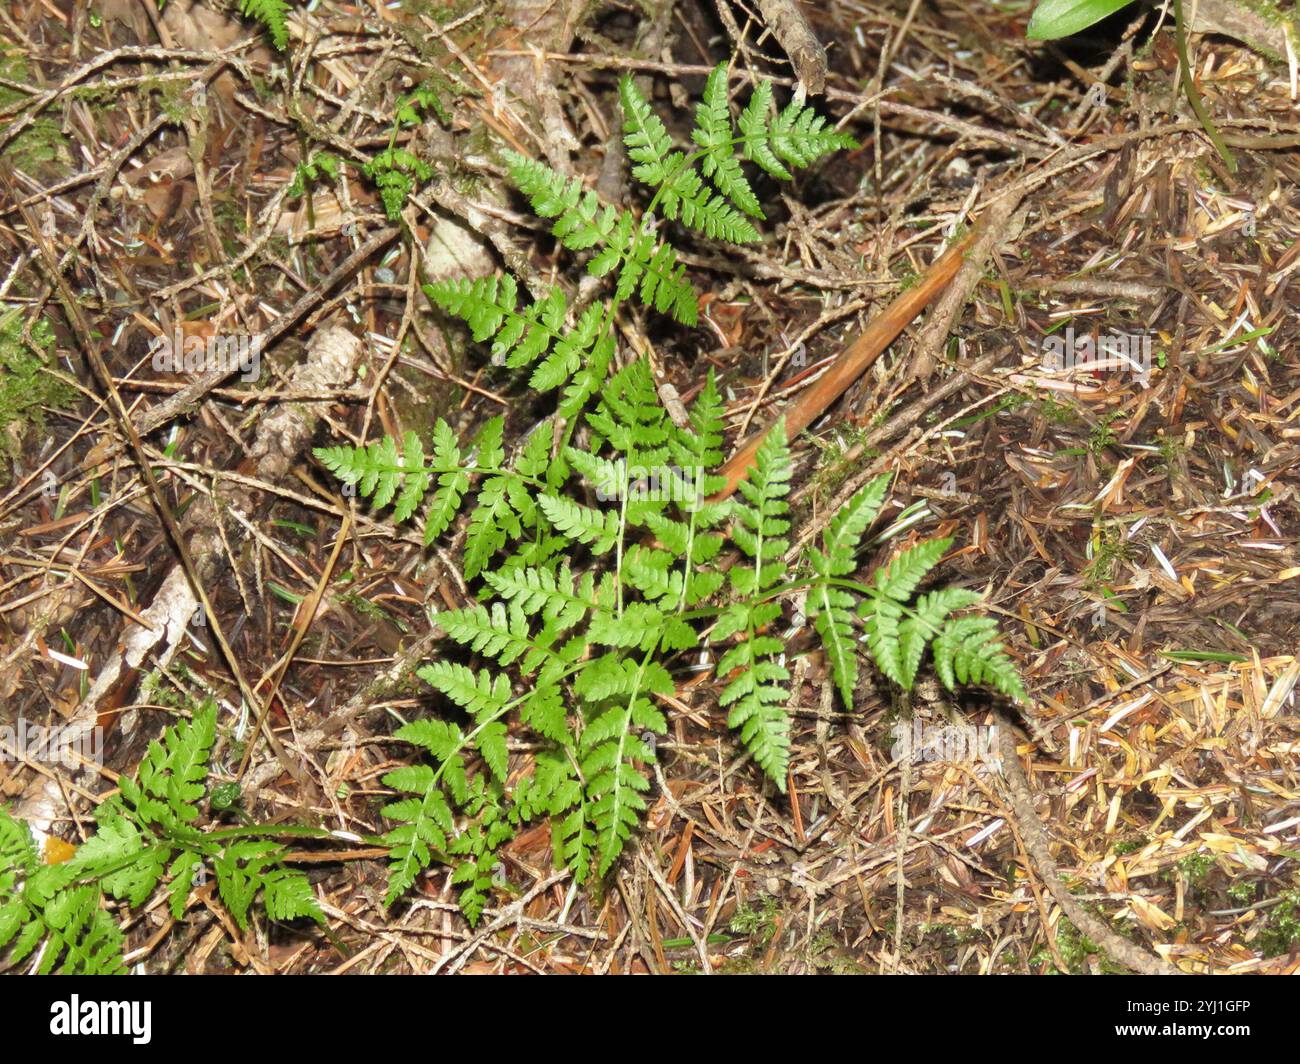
column 622, row 532
column 690, row 541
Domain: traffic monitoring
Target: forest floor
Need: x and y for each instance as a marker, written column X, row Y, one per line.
column 1134, row 527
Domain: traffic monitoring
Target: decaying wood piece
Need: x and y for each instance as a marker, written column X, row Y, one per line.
column 997, row 226
column 1253, row 26
column 1120, row 950
column 806, row 53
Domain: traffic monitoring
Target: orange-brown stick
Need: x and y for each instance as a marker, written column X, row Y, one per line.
column 878, row 335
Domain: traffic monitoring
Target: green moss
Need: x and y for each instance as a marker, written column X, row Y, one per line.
column 1242, row 893
column 26, row 387
column 1281, row 934
column 835, row 465
column 1195, row 867
column 1102, row 436
column 41, row 149
column 1055, row 413
column 1075, row 948
column 758, row 922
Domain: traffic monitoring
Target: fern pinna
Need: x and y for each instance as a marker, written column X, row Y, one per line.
column 604, row 569
column 274, row 15
column 146, row 835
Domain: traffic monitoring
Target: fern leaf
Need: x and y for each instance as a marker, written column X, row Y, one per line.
column 829, row 607
column 843, row 534
column 274, row 15
column 494, row 518
column 639, row 625
column 715, row 134
column 170, row 780
column 483, row 695
column 181, row 873
column 452, row 483
column 648, row 144
column 287, row 895
column 477, row 846
column 581, row 523
column 830, row 610
column 899, row 579
column 241, row 869
column 128, row 864
column 543, row 711
column 754, row 136
column 379, row 471
column 520, row 338
column 501, row 633
column 798, row 135
column 562, row 601
column 881, row 617
column 645, row 266
column 918, row 629
column 425, row 822
column 755, row 691
column 615, row 785
column 80, row 934
column 966, row 651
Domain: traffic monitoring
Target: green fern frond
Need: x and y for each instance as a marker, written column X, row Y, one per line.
column 318, row 165
column 494, row 519
column 274, row 15
column 647, row 141
column 883, row 610
column 478, row 695
column 645, row 267
column 966, row 651
column 248, row 867
column 477, row 847
column 520, row 338
column 453, row 482
column 424, row 822
column 380, row 470
column 79, row 936
column 143, row 835
column 829, row 606
column 715, row 134
column 561, row 600
column 427, row 830
column 172, row 775
column 755, row 691
column 921, row 626
column 609, row 751
column 679, row 190
column 581, row 523
column 500, row 632
column 844, row 533
column 797, row 136
column 395, row 173
column 589, row 637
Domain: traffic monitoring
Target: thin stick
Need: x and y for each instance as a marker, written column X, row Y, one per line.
column 878, row 335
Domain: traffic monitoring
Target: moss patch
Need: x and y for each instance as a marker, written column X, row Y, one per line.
column 25, row 386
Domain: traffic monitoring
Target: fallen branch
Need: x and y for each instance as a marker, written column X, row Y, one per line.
column 806, row 53
column 1120, row 950
column 878, row 335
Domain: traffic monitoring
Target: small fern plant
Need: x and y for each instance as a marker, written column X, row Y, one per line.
column 605, row 569
column 147, row 834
